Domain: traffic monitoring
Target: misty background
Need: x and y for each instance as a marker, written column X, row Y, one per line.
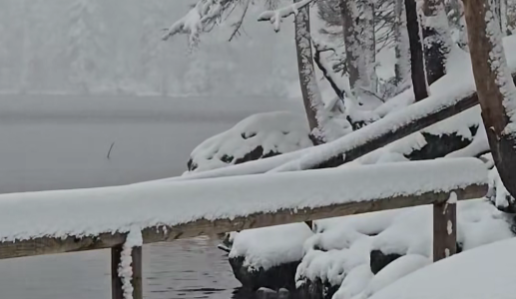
column 114, row 47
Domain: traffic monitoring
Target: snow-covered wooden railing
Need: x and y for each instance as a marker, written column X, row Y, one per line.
column 76, row 220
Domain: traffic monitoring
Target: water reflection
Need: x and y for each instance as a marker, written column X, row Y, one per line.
column 184, row 269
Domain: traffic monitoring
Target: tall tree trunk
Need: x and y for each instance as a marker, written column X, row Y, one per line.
column 358, row 48
column 437, row 39
column 402, row 48
column 496, row 91
column 417, row 66
column 351, row 41
column 312, row 100
column 368, row 42
column 463, row 31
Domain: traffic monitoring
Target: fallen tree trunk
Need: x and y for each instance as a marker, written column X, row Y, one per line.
column 381, row 133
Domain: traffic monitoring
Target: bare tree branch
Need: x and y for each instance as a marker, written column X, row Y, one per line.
column 326, row 70
column 238, row 24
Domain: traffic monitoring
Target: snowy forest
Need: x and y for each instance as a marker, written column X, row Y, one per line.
column 381, row 82
column 401, row 161
column 115, row 47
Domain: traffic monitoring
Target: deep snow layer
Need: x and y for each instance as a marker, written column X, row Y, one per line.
column 486, row 272
column 77, row 212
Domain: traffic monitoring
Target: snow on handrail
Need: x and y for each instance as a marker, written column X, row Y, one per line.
column 73, row 220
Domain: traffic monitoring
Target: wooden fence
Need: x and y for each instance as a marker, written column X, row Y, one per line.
column 444, row 240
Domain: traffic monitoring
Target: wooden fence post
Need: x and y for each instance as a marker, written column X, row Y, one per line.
column 445, row 229
column 117, row 291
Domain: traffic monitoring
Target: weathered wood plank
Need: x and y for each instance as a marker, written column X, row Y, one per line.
column 117, row 291
column 116, row 282
column 49, row 245
column 137, row 255
column 444, row 230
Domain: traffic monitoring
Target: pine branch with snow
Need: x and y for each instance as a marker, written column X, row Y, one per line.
column 276, row 16
column 204, row 15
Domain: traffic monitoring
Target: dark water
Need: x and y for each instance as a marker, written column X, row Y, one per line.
column 61, row 143
column 182, row 269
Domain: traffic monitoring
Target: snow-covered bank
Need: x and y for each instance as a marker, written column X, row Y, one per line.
column 76, row 212
column 486, row 272
column 397, row 111
column 352, row 255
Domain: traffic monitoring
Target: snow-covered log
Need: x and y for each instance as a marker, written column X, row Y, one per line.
column 382, row 132
column 72, row 220
column 496, row 90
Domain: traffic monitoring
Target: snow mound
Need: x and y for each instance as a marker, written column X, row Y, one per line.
column 258, row 136
column 486, row 272
column 339, row 251
column 394, row 271
column 270, row 246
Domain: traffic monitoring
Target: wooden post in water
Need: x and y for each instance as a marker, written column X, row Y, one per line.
column 445, row 229
column 137, row 273
column 117, row 291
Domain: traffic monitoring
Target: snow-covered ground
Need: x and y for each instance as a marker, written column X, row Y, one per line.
column 486, row 272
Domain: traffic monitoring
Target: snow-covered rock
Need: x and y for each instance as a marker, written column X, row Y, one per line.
column 257, row 136
column 268, row 257
column 270, row 246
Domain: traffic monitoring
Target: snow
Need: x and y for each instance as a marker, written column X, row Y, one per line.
column 276, row 132
column 76, row 212
column 270, row 246
column 125, row 271
column 497, row 192
column 442, row 95
column 339, row 251
column 460, row 125
column 394, row 271
column 486, row 272
column 355, row 282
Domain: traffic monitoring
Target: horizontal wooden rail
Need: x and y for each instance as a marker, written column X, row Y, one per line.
column 52, row 245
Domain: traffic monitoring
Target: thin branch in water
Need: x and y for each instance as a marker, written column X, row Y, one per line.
column 110, row 148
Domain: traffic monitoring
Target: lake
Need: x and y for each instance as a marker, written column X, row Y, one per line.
column 57, row 142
